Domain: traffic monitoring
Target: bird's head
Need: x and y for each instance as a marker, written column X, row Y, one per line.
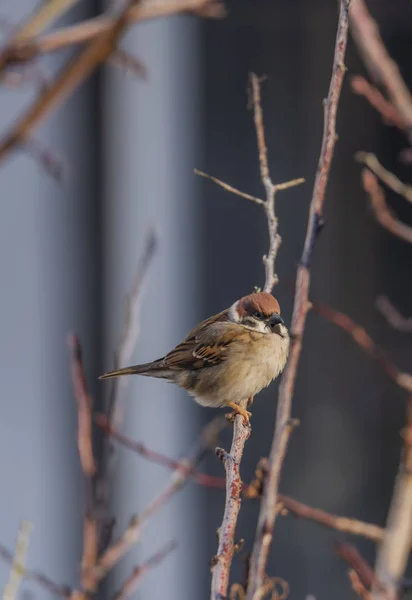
column 260, row 312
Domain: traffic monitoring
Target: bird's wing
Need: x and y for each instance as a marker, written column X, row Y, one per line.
column 205, row 346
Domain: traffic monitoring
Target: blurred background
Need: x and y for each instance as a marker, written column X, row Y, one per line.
column 69, row 253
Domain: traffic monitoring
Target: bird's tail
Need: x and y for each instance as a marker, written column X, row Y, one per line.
column 133, row 370
column 152, row 369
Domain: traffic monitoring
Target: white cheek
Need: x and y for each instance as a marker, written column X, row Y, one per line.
column 233, row 314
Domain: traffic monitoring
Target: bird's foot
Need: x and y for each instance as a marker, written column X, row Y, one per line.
column 238, row 410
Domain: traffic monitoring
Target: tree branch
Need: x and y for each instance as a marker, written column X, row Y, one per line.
column 267, row 514
column 221, row 563
column 383, row 213
column 393, row 316
column 135, row 577
column 393, row 553
column 379, row 64
column 388, row 178
column 133, row 532
column 28, row 49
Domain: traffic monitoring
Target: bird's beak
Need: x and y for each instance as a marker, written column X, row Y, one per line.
column 276, row 320
column 277, row 325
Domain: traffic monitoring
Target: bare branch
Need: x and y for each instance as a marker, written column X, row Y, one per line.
column 361, row 337
column 17, row 568
column 376, row 99
column 156, row 457
column 393, row 553
column 134, row 579
column 44, row 15
column 132, row 534
column 268, row 510
column 251, row 491
column 85, row 446
column 229, row 188
column 383, row 214
column 84, row 405
column 355, row 560
column 89, row 30
column 393, row 316
column 395, row 184
column 380, row 65
column 221, row 562
column 70, row 77
column 45, row 582
column 351, row 526
column 131, row 325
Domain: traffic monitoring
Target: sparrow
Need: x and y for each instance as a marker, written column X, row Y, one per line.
column 228, row 358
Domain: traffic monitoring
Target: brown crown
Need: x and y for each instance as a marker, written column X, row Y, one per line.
column 260, row 302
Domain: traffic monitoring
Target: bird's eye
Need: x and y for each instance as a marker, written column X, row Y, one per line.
column 258, row 315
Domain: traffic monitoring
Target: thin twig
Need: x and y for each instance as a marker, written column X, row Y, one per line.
column 344, row 524
column 380, row 65
column 69, row 78
column 363, row 339
column 249, row 491
column 45, row 582
column 132, row 533
column 17, row 568
column 395, row 184
column 131, row 324
column 126, row 346
column 358, row 587
column 383, row 214
column 393, row 553
column 134, row 579
column 281, row 436
column 376, row 99
column 156, row 457
column 89, row 30
column 85, row 446
column 351, row 555
column 229, row 188
column 271, row 278
column 393, row 316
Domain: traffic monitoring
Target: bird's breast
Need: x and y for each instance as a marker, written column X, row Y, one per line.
column 248, row 369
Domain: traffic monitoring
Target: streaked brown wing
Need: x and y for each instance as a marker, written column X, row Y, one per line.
column 199, row 349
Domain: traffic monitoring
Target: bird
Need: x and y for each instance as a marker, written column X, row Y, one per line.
column 228, row 358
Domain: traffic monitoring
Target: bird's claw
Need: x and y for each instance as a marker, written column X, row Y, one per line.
column 238, row 410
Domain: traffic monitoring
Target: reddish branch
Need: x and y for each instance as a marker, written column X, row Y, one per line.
column 102, row 35
column 156, row 457
column 133, row 532
column 376, row 99
column 380, row 65
column 85, row 446
column 363, row 339
column 355, row 560
column 384, row 215
column 221, row 562
column 251, row 491
column 136, row 576
column 268, row 511
column 30, row 48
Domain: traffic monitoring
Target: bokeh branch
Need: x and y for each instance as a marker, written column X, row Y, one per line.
column 101, row 36
column 268, row 510
column 383, row 214
column 383, row 70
